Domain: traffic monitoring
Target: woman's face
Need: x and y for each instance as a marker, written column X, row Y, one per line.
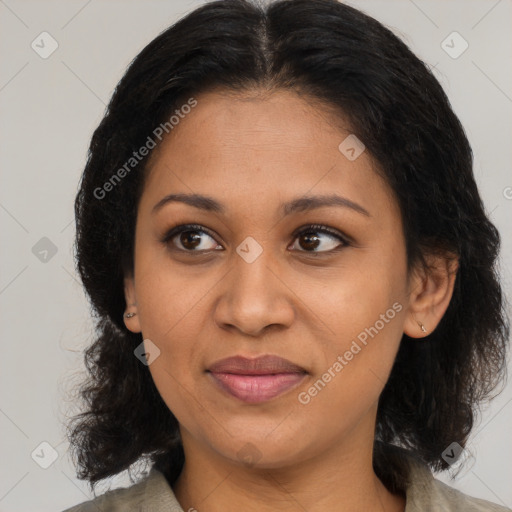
column 252, row 285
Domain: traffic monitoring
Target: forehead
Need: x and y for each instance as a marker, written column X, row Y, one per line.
column 261, row 120
column 261, row 145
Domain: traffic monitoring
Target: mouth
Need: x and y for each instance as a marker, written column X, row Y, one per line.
column 256, row 380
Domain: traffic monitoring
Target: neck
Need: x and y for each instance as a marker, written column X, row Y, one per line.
column 340, row 479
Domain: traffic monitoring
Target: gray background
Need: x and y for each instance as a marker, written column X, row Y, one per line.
column 49, row 110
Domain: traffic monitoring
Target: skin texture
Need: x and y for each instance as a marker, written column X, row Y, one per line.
column 252, row 152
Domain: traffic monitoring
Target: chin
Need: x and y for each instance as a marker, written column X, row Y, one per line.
column 261, row 452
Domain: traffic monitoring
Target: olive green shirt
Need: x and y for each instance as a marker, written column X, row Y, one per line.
column 423, row 493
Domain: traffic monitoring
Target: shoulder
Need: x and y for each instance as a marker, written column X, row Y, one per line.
column 152, row 493
column 458, row 501
column 424, row 492
column 125, row 498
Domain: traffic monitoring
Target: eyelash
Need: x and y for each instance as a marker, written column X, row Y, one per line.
column 315, row 228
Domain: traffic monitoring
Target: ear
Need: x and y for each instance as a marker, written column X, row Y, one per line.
column 430, row 292
column 133, row 323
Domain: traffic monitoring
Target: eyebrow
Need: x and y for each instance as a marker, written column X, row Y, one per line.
column 297, row 205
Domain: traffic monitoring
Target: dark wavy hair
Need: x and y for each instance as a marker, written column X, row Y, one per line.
column 348, row 62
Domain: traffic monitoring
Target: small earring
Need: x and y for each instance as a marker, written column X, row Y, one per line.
column 129, row 315
column 422, row 327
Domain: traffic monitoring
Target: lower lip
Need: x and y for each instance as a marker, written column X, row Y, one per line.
column 257, row 388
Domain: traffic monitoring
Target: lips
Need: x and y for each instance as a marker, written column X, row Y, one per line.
column 256, row 380
column 263, row 365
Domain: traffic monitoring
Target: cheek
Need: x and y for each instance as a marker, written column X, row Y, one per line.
column 357, row 364
column 171, row 312
column 173, row 318
column 363, row 309
column 170, row 295
column 359, row 294
column 176, row 329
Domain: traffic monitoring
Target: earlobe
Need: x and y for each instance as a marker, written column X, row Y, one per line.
column 430, row 294
column 130, row 317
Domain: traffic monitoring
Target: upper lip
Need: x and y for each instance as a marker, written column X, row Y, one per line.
column 263, row 365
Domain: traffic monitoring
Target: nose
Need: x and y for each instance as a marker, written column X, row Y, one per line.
column 253, row 297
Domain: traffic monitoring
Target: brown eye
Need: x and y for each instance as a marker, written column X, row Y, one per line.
column 190, row 239
column 319, row 237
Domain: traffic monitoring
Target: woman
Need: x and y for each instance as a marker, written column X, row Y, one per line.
column 293, row 273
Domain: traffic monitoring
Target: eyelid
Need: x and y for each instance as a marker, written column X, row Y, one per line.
column 319, row 228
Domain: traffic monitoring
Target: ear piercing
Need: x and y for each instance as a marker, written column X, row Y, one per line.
column 422, row 327
column 129, row 315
